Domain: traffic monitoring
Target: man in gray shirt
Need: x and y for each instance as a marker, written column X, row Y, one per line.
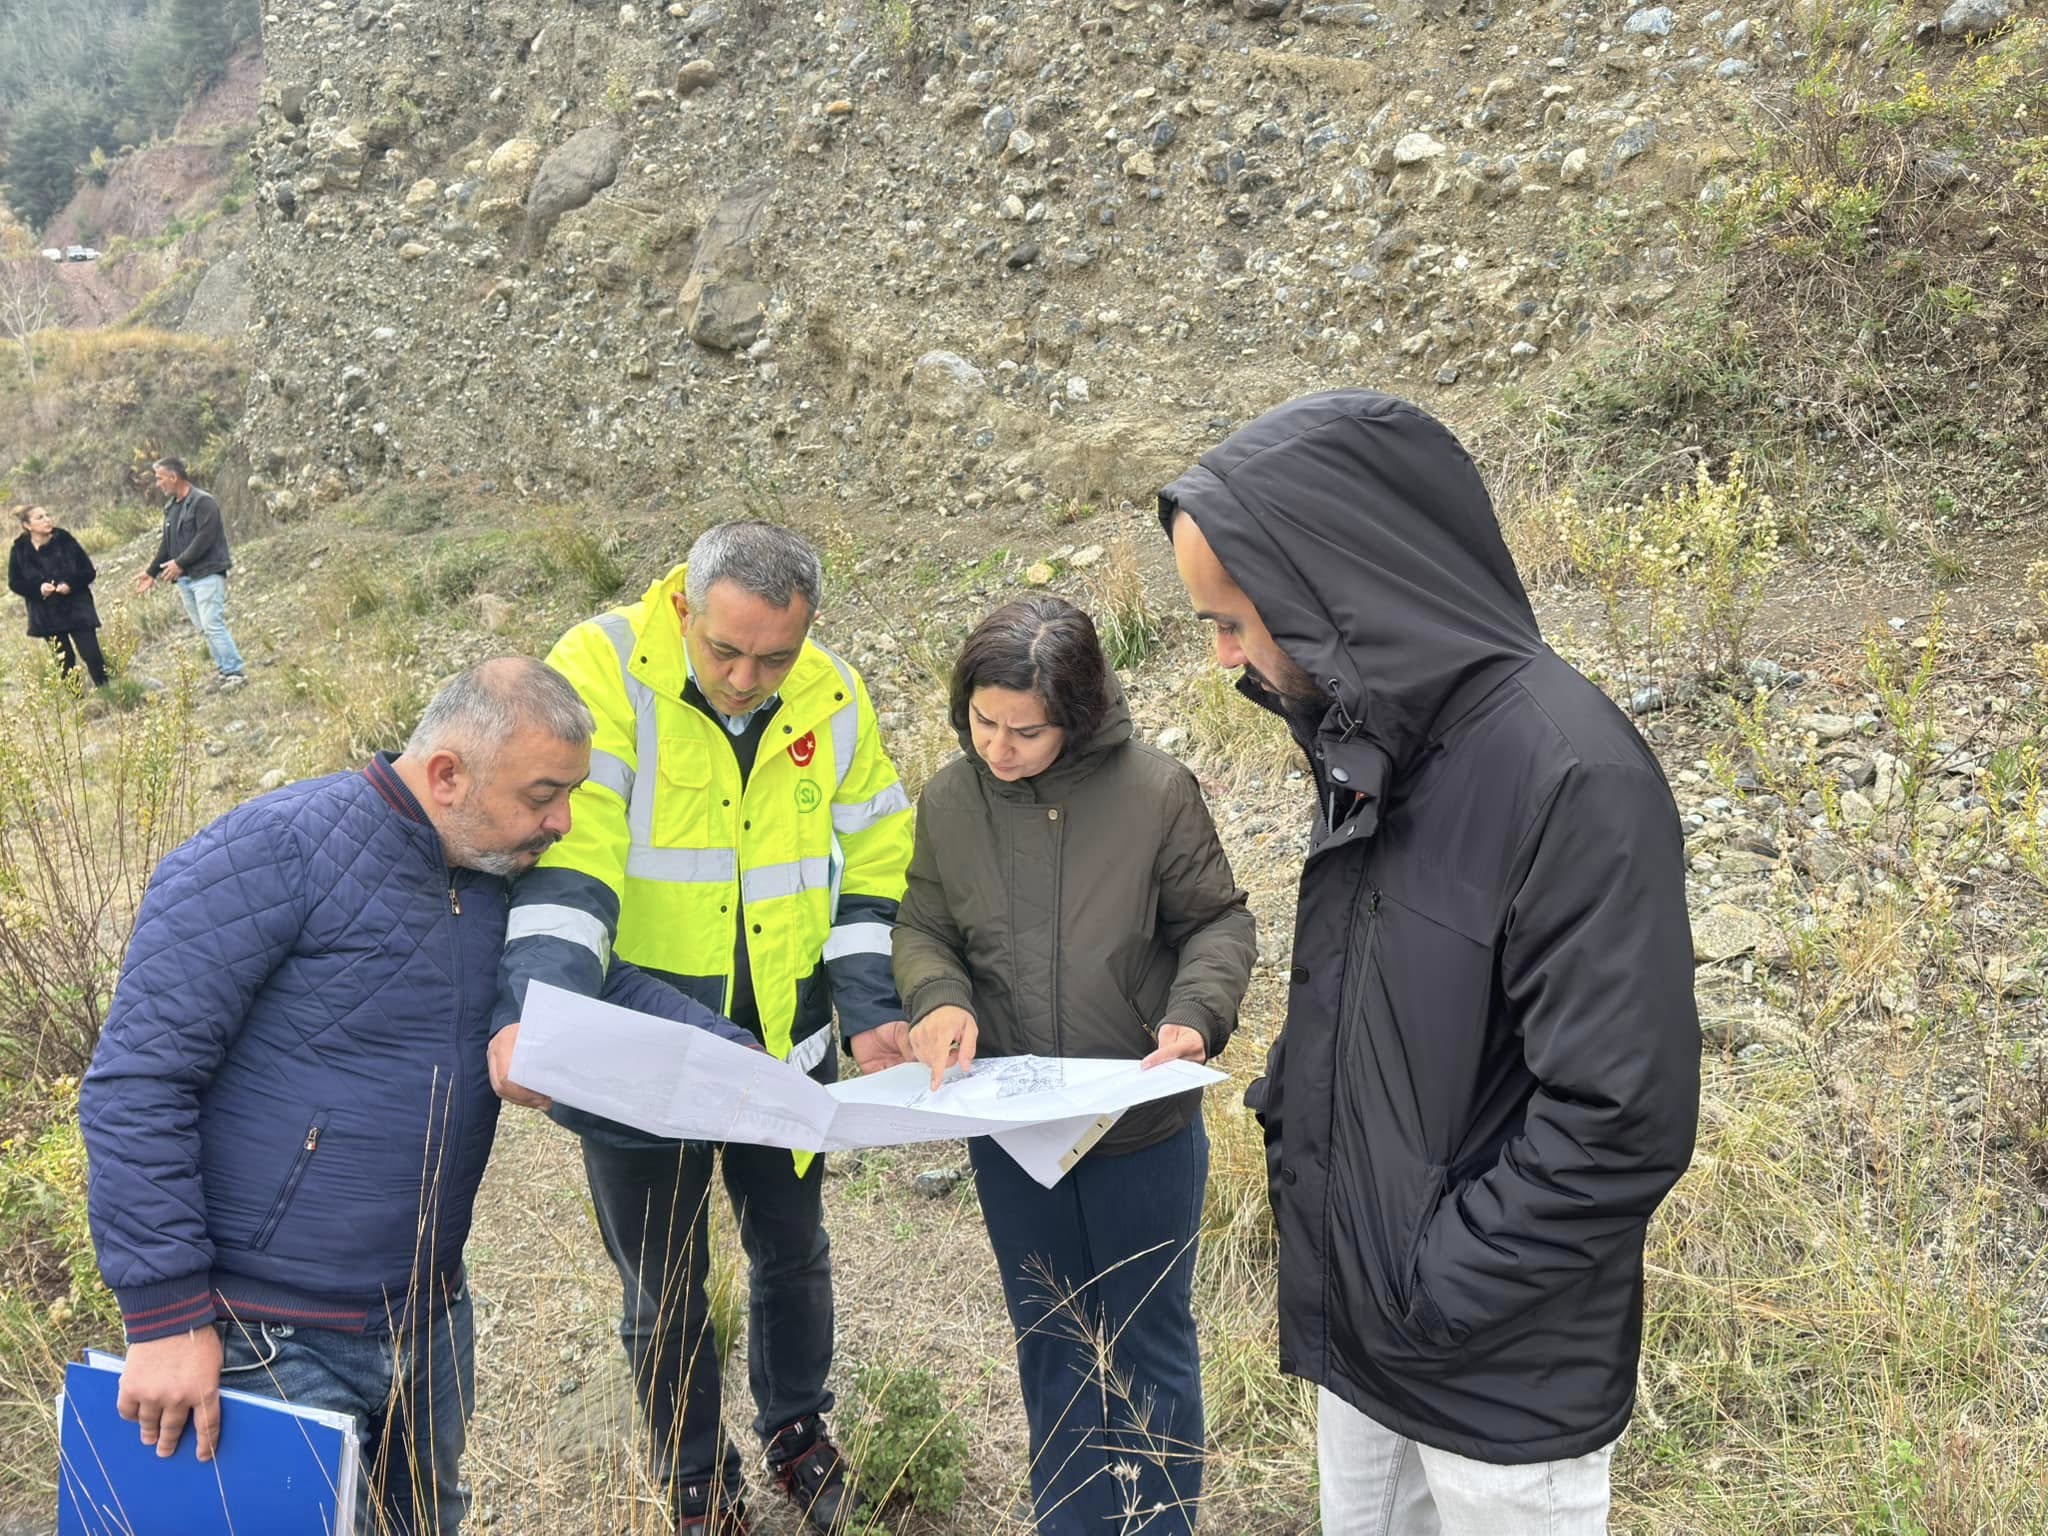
column 193, row 552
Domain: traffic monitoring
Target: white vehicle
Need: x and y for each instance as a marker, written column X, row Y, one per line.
column 51, row 253
column 80, row 253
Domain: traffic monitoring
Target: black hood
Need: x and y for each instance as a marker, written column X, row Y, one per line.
column 1359, row 528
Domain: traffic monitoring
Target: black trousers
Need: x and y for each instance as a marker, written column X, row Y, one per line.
column 82, row 645
column 653, row 1207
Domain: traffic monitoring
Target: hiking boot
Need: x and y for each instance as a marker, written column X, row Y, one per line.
column 706, row 1509
column 809, row 1470
column 230, row 680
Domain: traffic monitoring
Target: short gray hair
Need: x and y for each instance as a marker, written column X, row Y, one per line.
column 770, row 562
column 479, row 710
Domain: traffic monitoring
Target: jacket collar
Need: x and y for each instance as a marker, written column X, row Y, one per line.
column 392, row 789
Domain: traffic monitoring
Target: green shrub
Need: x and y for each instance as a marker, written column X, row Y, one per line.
column 1681, row 573
column 905, row 1439
column 42, row 1202
column 126, row 519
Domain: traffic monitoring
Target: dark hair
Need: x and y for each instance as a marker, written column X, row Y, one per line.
column 1043, row 646
column 175, row 466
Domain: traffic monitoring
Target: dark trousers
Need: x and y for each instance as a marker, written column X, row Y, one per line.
column 82, row 645
column 653, row 1207
column 1099, row 1272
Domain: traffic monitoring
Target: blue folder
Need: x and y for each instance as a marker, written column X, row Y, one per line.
column 281, row 1470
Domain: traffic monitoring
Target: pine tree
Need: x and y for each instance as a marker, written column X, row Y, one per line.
column 199, row 41
column 50, row 137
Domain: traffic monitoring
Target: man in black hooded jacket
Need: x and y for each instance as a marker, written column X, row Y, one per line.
column 1489, row 1072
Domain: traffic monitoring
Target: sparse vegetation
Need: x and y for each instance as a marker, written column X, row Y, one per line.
column 583, row 549
column 1680, row 576
column 1233, row 737
column 86, row 811
column 1877, row 298
column 1126, row 620
column 1838, row 415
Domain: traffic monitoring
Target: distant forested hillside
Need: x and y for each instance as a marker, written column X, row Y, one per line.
column 80, row 78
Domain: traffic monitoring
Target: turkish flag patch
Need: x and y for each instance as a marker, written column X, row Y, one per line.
column 803, row 749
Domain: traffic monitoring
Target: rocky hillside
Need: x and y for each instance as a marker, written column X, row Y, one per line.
column 980, row 253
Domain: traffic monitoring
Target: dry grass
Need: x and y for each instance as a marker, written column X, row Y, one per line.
column 1128, row 624
column 1233, row 738
column 1831, row 1344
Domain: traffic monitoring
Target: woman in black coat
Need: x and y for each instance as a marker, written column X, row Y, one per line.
column 51, row 572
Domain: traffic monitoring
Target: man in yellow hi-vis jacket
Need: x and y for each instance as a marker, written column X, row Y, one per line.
column 743, row 836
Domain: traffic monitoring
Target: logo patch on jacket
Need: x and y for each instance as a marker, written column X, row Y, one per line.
column 808, row 796
column 803, row 749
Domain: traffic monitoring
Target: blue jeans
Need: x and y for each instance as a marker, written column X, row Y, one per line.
column 1099, row 1274
column 653, row 1208
column 411, row 1397
column 206, row 601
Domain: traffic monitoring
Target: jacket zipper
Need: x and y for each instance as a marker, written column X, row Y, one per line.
column 452, row 1134
column 1059, row 1045
column 291, row 1182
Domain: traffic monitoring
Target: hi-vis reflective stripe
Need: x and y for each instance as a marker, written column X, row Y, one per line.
column 849, row 819
column 682, row 866
column 543, row 921
column 772, row 880
column 612, row 773
column 810, row 1050
column 845, row 721
column 857, row 939
column 646, row 732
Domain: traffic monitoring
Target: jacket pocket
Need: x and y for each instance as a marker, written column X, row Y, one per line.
column 686, row 814
column 1144, row 1033
column 290, row 1188
column 1419, row 1308
column 684, row 762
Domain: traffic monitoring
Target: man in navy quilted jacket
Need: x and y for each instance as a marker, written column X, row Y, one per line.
column 290, row 1109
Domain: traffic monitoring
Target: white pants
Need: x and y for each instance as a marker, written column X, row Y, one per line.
column 1377, row 1483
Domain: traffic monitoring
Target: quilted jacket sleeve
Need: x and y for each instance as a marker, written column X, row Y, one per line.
column 626, row 985
column 220, row 914
column 931, row 971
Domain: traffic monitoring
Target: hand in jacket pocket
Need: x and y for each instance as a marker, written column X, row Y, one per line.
column 1425, row 1319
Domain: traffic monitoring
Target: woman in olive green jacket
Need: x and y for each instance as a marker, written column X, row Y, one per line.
column 1068, row 897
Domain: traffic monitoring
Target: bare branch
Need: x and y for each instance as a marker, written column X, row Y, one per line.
column 28, row 304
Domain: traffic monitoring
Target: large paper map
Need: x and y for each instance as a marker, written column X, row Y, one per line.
column 673, row 1081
